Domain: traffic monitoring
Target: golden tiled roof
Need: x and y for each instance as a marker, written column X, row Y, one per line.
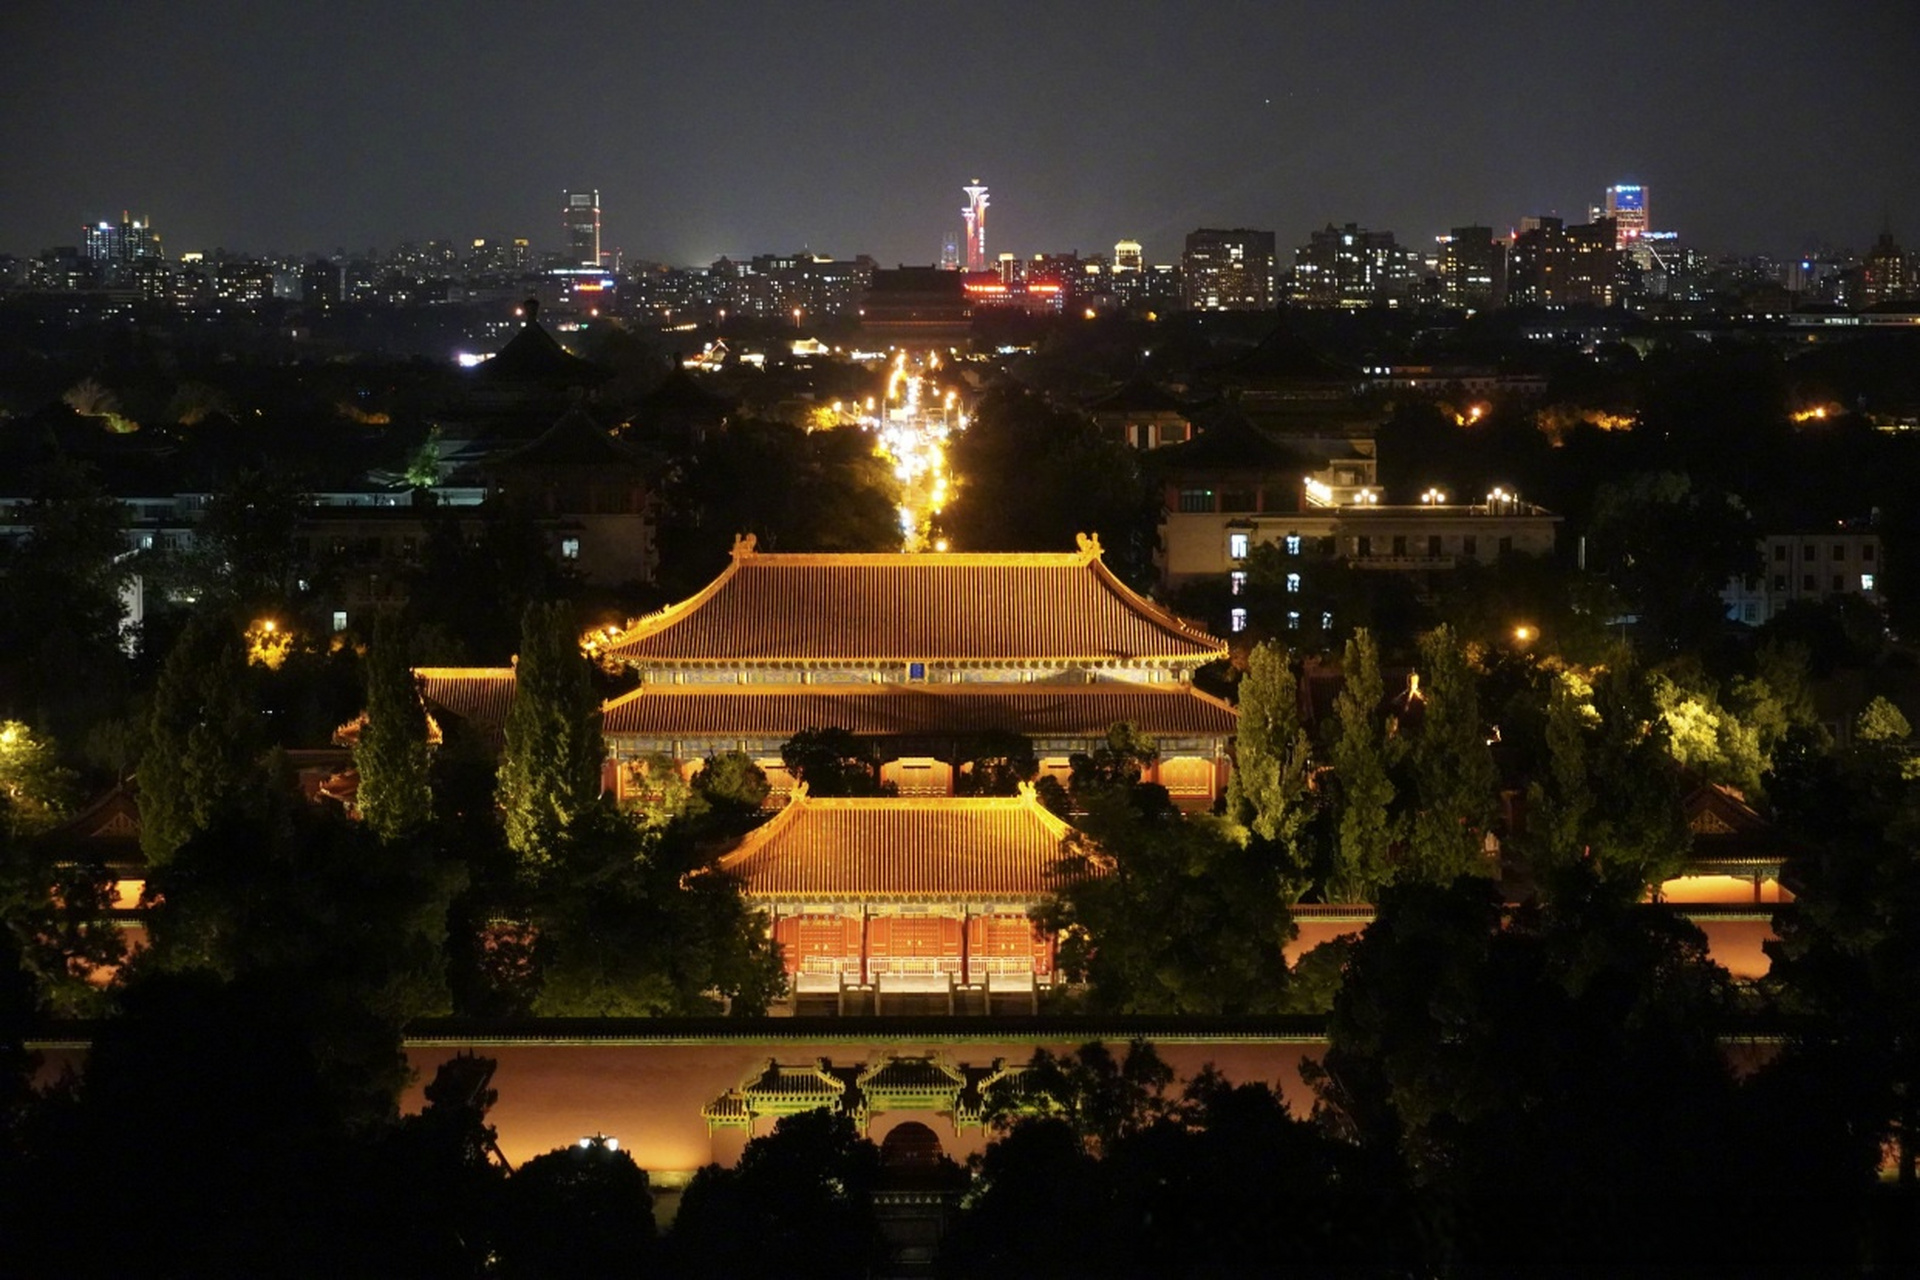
column 835, row 850
column 478, row 695
column 976, row 608
column 880, row 710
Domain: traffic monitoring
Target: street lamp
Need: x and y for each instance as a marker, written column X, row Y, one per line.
column 1433, row 498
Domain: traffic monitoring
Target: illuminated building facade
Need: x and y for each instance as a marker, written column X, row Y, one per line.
column 1628, row 206
column 120, row 244
column 1886, row 273
column 927, row 657
column 918, row 307
column 1827, row 564
column 1473, row 269
column 877, row 901
column 1128, row 256
column 1319, row 503
column 919, row 654
column 1351, row 266
column 794, row 287
column 1555, row 265
column 1228, row 270
column 582, row 219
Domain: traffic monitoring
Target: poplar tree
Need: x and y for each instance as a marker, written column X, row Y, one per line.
column 1272, row 759
column 550, row 771
column 202, row 738
column 395, row 795
column 1363, row 761
column 1455, row 785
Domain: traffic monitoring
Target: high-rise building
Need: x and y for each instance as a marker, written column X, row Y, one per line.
column 1473, row 269
column 120, row 244
column 1884, row 272
column 975, row 215
column 1351, row 266
column 1628, row 205
column 1228, row 269
column 1554, row 265
column 1128, row 256
column 582, row 219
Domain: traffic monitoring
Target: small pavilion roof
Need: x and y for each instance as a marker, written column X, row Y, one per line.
column 979, row 847
column 533, row 355
column 106, row 831
column 1229, row 442
column 984, row 609
column 1282, row 355
column 576, row 440
column 1729, row 833
column 1139, row 394
column 679, row 395
column 896, row 710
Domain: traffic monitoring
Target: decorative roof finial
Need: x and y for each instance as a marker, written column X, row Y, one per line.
column 1089, row 544
column 743, row 545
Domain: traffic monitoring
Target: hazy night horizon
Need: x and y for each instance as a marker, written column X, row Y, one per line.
column 737, row 129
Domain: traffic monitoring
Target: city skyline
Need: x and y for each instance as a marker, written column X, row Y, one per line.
column 269, row 128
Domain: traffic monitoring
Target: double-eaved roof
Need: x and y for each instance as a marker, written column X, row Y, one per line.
column 482, row 696
column 983, row 848
column 957, row 609
column 1038, row 710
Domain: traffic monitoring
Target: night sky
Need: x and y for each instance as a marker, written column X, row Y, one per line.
column 735, row 127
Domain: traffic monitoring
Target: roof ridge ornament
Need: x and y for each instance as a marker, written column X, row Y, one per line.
column 1089, row 544
column 743, row 545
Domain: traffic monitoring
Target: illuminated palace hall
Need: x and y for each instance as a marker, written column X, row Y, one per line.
column 916, row 902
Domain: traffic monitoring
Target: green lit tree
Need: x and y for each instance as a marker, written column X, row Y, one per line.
column 392, row 759
column 550, row 771
column 202, row 750
column 1268, row 792
column 1608, row 796
column 1364, row 758
column 1455, row 786
column 54, row 913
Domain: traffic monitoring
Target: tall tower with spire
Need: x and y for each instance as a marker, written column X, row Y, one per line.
column 976, row 217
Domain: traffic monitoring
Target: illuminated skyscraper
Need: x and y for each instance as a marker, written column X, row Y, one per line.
column 582, row 215
column 1128, row 256
column 1628, row 206
column 119, row 244
column 976, row 217
column 1473, row 268
column 1228, row 270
